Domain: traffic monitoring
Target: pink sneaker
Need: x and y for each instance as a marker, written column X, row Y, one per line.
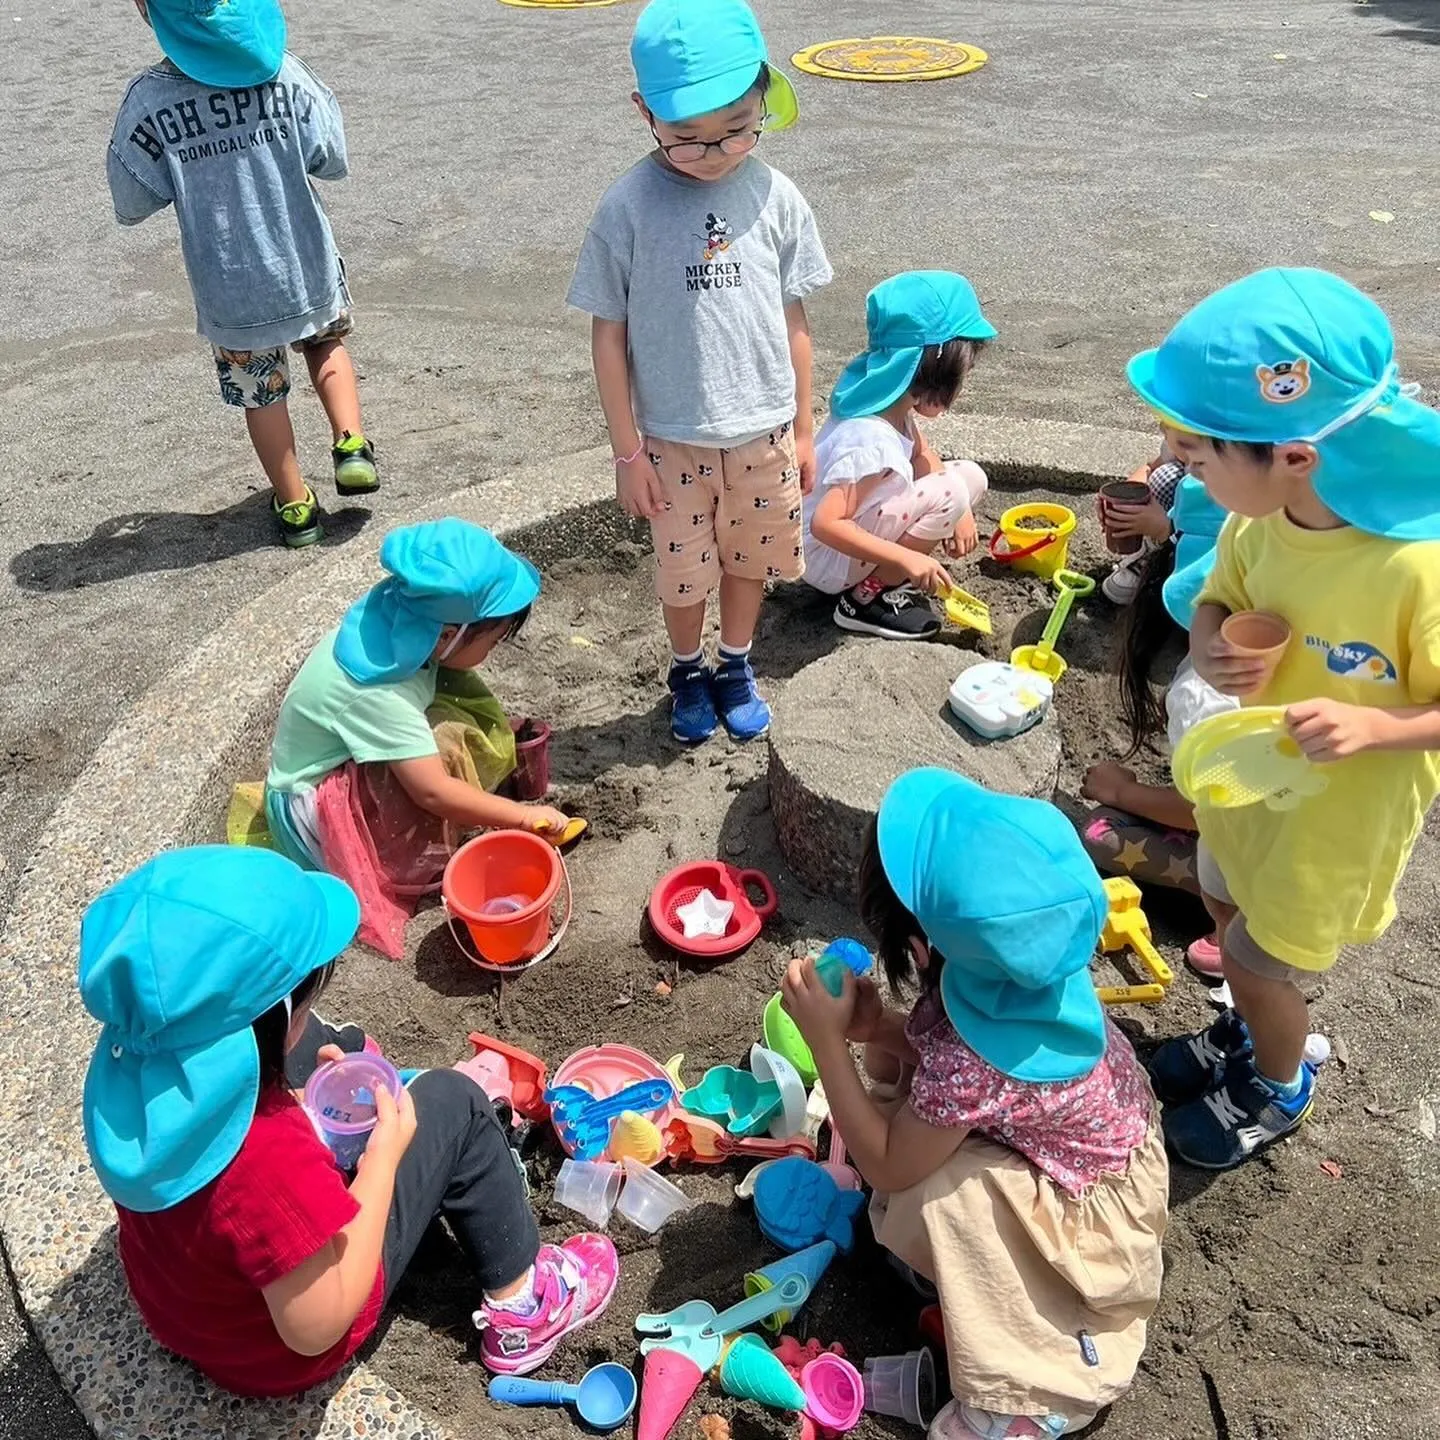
column 1204, row 957
column 574, row 1282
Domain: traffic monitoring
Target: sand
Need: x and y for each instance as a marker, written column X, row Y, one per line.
column 1295, row 1304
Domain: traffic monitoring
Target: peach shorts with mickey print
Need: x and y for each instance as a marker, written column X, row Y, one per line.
column 732, row 512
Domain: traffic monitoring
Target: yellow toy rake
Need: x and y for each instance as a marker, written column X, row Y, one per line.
column 1126, row 928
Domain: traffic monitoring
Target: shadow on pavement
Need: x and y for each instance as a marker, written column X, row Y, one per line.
column 1421, row 18
column 151, row 541
column 38, row 1407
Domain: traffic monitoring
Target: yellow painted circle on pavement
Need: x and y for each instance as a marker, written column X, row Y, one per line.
column 559, row 4
column 890, row 57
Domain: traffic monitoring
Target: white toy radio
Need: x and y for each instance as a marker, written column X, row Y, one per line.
column 997, row 700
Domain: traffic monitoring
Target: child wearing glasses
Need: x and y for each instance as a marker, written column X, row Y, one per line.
column 694, row 271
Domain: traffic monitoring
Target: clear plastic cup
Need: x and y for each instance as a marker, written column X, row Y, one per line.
column 341, row 1100
column 649, row 1200
column 902, row 1386
column 589, row 1189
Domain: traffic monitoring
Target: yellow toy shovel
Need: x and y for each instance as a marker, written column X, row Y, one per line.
column 963, row 609
column 1042, row 658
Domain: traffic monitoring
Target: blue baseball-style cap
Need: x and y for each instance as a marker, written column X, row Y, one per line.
column 695, row 56
column 902, row 316
column 1298, row 354
column 444, row 572
column 177, row 960
column 1017, row 931
column 226, row 43
column 1197, row 521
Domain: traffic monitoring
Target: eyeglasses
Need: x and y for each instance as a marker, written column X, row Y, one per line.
column 687, row 152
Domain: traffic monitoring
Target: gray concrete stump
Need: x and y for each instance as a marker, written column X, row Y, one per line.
column 851, row 723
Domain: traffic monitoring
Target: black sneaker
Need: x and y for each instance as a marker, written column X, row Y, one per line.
column 354, row 460
column 299, row 521
column 899, row 614
column 1239, row 1118
column 1185, row 1068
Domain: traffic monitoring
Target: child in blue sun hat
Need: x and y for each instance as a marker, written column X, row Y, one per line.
column 1282, row 394
column 1148, row 832
column 695, row 270
column 1015, row 1158
column 247, row 1252
column 359, row 782
column 885, row 506
column 230, row 129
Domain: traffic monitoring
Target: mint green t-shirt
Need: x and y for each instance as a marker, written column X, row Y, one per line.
column 327, row 719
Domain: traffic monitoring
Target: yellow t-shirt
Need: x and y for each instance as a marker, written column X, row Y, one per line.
column 1365, row 619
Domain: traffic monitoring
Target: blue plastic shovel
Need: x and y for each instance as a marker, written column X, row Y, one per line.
column 604, row 1398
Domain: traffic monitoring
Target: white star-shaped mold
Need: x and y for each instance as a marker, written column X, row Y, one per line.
column 705, row 915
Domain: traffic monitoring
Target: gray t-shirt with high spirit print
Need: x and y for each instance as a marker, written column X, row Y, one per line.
column 701, row 273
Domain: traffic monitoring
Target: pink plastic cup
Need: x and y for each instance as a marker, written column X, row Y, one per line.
column 531, row 777
column 834, row 1392
column 341, row 1101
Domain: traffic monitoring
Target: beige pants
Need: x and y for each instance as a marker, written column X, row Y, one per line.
column 1025, row 1271
column 733, row 512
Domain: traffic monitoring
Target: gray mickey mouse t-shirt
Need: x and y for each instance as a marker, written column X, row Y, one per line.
column 701, row 272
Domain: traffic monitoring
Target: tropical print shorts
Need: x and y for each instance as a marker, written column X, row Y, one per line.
column 252, row 379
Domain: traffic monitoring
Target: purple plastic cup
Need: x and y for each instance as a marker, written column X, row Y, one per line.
column 341, row 1101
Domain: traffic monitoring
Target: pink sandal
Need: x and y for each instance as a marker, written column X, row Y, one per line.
column 574, row 1282
column 1204, row 958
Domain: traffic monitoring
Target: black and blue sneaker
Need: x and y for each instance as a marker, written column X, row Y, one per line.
column 746, row 715
column 1236, row 1120
column 692, row 707
column 1184, row 1068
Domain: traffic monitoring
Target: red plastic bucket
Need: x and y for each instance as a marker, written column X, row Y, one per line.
column 531, row 777
column 501, row 886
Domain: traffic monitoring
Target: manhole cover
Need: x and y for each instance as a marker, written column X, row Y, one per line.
column 890, row 57
column 558, row 4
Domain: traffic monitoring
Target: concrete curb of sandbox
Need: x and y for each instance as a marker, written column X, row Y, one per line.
column 132, row 801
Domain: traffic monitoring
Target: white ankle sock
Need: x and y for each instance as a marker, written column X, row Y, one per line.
column 523, row 1302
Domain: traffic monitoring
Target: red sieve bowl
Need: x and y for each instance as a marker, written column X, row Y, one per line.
column 725, row 882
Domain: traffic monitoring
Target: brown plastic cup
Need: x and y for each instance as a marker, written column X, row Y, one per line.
column 1121, row 492
column 1259, row 634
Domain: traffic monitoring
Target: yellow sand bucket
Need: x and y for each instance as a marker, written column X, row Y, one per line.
column 1036, row 538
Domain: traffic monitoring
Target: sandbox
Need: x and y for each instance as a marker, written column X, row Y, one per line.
column 1346, row 1312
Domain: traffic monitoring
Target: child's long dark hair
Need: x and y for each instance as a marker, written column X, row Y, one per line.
column 273, row 1026
column 891, row 923
column 1148, row 629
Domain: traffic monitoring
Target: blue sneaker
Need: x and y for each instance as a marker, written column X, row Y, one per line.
column 1184, row 1068
column 746, row 715
column 1239, row 1118
column 692, row 708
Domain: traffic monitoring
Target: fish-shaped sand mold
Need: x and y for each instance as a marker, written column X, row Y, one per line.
column 798, row 1204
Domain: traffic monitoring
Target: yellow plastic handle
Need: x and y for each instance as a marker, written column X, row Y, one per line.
column 1150, row 957
column 1130, row 994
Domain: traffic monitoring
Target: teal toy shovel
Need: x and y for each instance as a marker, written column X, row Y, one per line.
column 696, row 1331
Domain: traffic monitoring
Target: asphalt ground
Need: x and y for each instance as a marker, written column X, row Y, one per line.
column 1114, row 162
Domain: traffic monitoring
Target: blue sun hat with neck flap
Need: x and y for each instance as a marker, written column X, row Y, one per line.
column 230, row 44
column 902, row 316
column 1017, row 932
column 177, row 961
column 444, row 572
column 692, row 57
column 1302, row 355
column 1197, row 521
